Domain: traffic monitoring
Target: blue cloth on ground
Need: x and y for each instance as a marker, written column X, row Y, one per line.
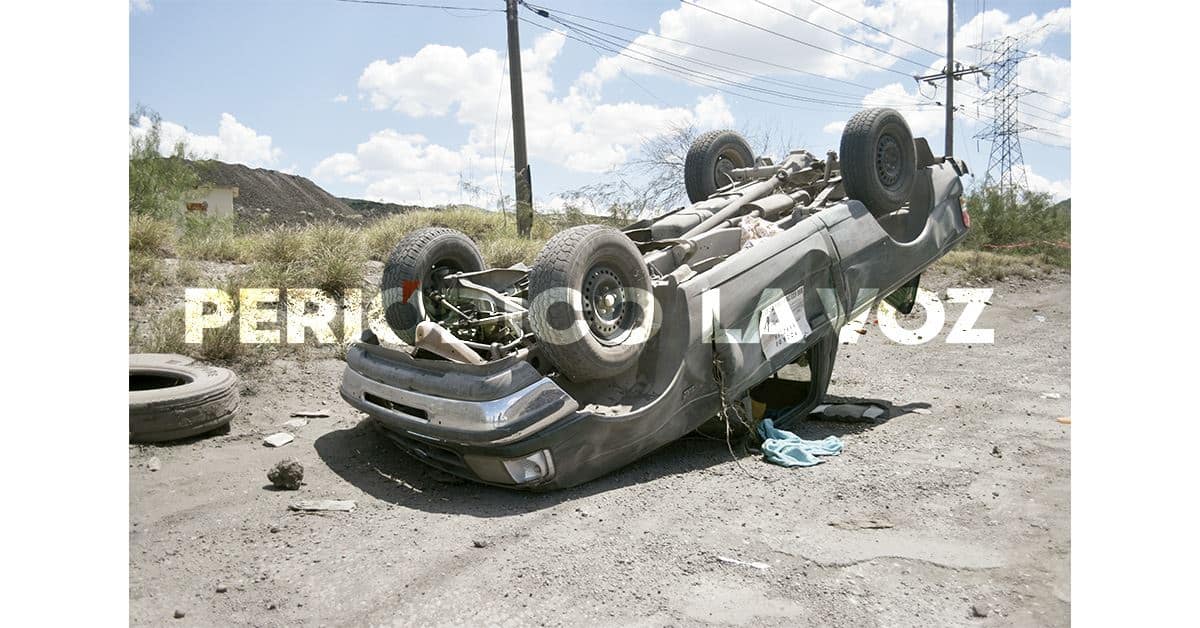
column 786, row 449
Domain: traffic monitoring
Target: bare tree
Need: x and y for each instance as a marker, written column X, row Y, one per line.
column 652, row 181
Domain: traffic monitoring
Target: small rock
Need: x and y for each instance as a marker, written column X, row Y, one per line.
column 310, row 414
column 295, row 424
column 980, row 610
column 154, row 464
column 278, row 440
column 179, row 614
column 287, row 474
column 274, row 529
column 1051, row 395
column 480, row 543
column 1039, row 318
column 222, row 588
column 922, row 411
column 996, row 451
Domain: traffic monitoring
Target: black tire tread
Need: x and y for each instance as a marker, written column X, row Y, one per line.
column 403, row 264
column 857, row 159
column 696, row 167
column 551, row 269
column 207, row 403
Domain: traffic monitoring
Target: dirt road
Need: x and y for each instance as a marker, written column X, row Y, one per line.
column 976, row 493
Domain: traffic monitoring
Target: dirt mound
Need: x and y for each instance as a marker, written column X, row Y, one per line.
column 275, row 197
column 377, row 209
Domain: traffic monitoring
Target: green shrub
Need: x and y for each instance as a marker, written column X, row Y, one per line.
column 1025, row 224
column 157, row 184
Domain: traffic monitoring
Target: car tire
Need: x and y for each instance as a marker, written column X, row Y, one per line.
column 711, row 156
column 878, row 160
column 173, row 397
column 421, row 256
column 580, row 330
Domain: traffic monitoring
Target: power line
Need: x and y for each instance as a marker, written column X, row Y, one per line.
column 705, row 79
column 544, row 12
column 1038, row 92
column 423, row 6
column 842, row 35
column 878, row 30
column 634, row 43
column 696, row 77
column 790, row 38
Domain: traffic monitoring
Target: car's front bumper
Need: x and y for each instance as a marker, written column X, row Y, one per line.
column 480, row 422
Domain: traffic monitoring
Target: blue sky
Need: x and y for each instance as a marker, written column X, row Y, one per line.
column 398, row 104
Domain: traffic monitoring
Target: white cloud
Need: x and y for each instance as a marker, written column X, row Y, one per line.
column 341, row 98
column 1045, row 73
column 574, row 130
column 835, row 127
column 234, row 142
column 918, row 21
column 407, row 168
column 140, row 6
column 1037, row 183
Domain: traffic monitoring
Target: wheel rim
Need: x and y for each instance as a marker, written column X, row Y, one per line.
column 437, row 283
column 727, row 162
column 604, row 305
column 887, row 161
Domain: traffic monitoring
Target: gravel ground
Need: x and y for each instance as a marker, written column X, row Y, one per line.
column 973, row 498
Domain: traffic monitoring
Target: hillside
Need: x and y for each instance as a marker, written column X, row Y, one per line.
column 275, row 197
column 375, row 209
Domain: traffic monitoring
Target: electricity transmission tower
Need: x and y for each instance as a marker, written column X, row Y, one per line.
column 1006, row 162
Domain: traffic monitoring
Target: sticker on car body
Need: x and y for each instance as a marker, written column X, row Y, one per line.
column 783, row 323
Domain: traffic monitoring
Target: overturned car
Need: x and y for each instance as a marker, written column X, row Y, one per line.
column 617, row 342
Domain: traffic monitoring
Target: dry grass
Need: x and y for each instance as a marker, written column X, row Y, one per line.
column 481, row 226
column 147, row 273
column 187, row 273
column 989, row 266
column 165, row 334
column 508, row 250
column 151, row 236
column 334, row 257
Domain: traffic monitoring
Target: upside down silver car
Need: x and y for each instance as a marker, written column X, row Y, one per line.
column 617, row 342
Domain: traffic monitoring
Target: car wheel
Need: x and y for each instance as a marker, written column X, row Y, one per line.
column 878, row 160
column 419, row 262
column 173, row 397
column 710, row 160
column 590, row 302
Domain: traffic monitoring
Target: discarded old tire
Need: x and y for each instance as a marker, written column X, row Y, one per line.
column 419, row 262
column 878, row 159
column 173, row 397
column 709, row 161
column 590, row 302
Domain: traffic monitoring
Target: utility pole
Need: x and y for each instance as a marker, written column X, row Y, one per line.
column 524, row 184
column 950, row 74
column 949, row 77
